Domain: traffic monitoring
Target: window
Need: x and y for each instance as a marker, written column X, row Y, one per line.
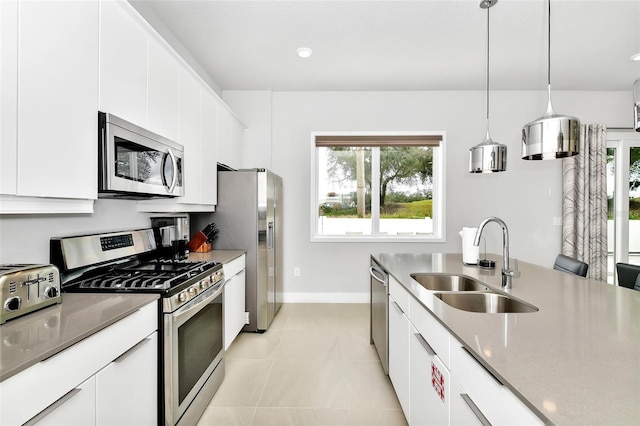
column 382, row 186
column 623, row 191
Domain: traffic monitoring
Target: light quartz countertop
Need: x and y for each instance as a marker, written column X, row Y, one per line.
column 29, row 339
column 220, row 256
column 576, row 361
column 34, row 337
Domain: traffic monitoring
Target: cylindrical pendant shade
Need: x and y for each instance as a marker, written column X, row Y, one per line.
column 488, row 158
column 551, row 136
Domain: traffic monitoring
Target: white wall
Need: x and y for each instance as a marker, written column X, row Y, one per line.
column 338, row 271
column 25, row 238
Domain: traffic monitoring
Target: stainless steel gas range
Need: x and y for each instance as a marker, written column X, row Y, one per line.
column 191, row 352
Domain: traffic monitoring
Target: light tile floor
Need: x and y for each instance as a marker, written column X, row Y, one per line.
column 314, row 366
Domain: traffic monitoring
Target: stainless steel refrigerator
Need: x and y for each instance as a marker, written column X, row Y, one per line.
column 249, row 217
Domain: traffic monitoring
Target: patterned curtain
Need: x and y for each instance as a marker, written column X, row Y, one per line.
column 584, row 201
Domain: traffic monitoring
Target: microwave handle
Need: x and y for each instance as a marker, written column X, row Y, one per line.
column 174, row 163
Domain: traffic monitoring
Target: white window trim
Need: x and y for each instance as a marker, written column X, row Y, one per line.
column 621, row 140
column 439, row 193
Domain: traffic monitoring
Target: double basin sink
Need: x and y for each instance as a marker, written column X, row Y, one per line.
column 467, row 294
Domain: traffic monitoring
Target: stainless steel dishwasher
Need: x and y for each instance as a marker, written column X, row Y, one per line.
column 379, row 335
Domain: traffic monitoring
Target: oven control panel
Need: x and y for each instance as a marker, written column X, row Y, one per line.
column 27, row 287
column 200, row 285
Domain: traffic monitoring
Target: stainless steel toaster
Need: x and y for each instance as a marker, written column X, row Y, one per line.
column 27, row 287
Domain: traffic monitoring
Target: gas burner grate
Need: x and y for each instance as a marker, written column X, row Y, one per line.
column 127, row 281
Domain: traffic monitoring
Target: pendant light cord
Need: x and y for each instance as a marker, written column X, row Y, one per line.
column 549, row 112
column 549, row 44
column 488, row 68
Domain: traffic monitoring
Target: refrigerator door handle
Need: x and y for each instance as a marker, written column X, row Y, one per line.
column 270, row 236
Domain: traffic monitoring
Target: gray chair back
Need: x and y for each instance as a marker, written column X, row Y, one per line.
column 571, row 265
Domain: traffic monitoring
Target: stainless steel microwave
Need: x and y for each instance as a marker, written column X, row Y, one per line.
column 136, row 163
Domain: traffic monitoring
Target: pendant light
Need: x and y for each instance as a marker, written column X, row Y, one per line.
column 488, row 156
column 552, row 135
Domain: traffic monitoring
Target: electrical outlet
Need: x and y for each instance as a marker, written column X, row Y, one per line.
column 557, row 221
column 296, row 271
column 246, row 317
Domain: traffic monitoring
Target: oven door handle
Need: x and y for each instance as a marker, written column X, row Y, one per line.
column 190, row 309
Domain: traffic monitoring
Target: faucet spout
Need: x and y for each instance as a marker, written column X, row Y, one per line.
column 507, row 272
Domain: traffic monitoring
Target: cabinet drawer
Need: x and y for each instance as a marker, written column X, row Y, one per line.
column 233, row 267
column 433, row 332
column 400, row 295
column 496, row 402
column 430, row 385
column 27, row 396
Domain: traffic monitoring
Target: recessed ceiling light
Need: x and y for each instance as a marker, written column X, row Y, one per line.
column 636, row 57
column 304, row 52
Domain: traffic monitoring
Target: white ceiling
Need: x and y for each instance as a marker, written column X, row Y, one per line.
column 405, row 45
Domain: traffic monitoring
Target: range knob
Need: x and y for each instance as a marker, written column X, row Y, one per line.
column 204, row 284
column 13, row 303
column 193, row 292
column 182, row 297
column 51, row 292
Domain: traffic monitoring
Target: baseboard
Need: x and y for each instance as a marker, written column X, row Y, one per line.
column 326, row 297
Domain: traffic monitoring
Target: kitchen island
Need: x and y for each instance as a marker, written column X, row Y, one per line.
column 576, row 360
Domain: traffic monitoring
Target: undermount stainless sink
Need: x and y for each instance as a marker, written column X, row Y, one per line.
column 449, row 282
column 485, row 303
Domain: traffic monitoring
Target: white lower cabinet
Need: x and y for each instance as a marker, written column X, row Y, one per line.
column 108, row 378
column 75, row 408
column 430, row 384
column 463, row 411
column 234, row 299
column 126, row 389
column 436, row 380
column 399, row 354
column 493, row 400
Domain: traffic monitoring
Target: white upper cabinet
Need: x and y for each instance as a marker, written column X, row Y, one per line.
column 230, row 133
column 210, row 141
column 62, row 62
column 53, row 142
column 123, row 62
column 198, row 133
column 163, row 91
column 9, row 98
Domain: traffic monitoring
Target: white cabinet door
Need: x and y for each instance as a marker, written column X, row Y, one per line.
column 9, row 98
column 123, row 62
column 463, row 410
column 126, row 389
column 163, row 79
column 57, row 99
column 210, row 142
column 76, row 408
column 191, row 138
column 230, row 133
column 430, row 384
column 493, row 399
column 234, row 307
column 399, row 353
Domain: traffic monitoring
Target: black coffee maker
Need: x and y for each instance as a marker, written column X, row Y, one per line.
column 172, row 236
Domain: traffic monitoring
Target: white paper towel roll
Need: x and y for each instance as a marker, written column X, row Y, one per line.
column 470, row 253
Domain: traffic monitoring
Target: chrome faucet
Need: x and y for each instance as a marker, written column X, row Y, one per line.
column 507, row 273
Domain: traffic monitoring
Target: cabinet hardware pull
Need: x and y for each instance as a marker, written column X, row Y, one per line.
column 481, row 365
column 427, row 347
column 44, row 413
column 398, row 308
column 474, row 408
column 132, row 349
